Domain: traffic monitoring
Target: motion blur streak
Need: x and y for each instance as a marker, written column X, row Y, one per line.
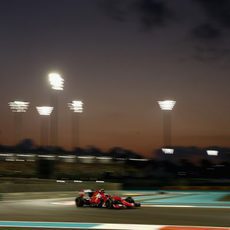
column 192, row 228
column 72, row 225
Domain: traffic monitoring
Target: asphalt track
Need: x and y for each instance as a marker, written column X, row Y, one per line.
column 64, row 210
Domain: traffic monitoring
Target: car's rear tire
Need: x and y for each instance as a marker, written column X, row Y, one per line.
column 79, row 201
column 109, row 203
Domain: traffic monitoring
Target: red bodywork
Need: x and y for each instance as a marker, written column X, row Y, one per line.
column 100, row 199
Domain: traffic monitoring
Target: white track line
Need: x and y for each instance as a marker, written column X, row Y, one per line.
column 70, row 203
column 129, row 226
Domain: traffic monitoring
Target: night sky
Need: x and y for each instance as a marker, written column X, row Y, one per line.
column 119, row 57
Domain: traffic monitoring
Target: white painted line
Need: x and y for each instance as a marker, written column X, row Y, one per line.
column 183, row 206
column 80, row 225
column 71, row 202
column 64, row 203
column 129, row 226
column 168, row 206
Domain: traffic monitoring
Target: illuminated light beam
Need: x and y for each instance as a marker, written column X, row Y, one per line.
column 104, row 158
column 100, row 181
column 44, row 110
column 137, row 159
column 77, row 181
column 68, row 156
column 56, row 81
column 60, row 181
column 167, row 150
column 86, row 157
column 167, row 104
column 76, row 106
column 212, row 152
column 19, row 106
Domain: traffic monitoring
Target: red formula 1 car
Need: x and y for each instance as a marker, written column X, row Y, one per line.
column 100, row 199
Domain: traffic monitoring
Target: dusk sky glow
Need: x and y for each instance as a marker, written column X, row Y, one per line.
column 119, row 59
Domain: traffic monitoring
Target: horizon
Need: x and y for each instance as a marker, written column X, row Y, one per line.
column 119, row 59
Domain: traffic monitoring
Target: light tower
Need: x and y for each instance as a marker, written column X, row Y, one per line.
column 44, row 111
column 77, row 108
column 57, row 84
column 166, row 106
column 18, row 107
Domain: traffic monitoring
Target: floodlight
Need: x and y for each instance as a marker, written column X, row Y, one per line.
column 56, row 81
column 212, row 152
column 44, row 110
column 19, row 106
column 166, row 104
column 167, row 150
column 76, row 106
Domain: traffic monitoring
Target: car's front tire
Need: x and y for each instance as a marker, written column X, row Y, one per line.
column 100, row 203
column 109, row 203
column 79, row 201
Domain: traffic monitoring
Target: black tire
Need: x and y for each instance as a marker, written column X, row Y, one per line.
column 130, row 199
column 100, row 203
column 79, row 201
column 137, row 204
column 109, row 203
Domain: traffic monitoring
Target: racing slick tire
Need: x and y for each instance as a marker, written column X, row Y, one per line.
column 79, row 201
column 131, row 200
column 109, row 203
column 100, row 203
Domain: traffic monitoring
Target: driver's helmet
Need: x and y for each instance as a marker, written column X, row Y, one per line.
column 102, row 190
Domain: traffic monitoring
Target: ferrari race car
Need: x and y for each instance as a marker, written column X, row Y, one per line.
column 100, row 199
